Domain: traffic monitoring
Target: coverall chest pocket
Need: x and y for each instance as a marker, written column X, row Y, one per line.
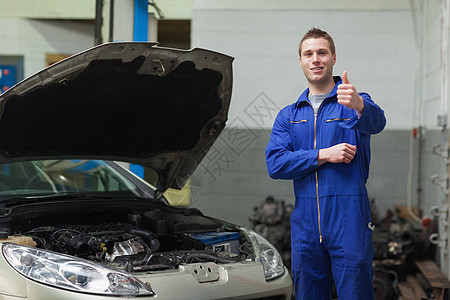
column 302, row 133
column 333, row 131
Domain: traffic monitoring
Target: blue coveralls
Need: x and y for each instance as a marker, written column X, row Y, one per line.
column 331, row 222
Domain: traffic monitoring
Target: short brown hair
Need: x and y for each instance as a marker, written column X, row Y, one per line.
column 315, row 33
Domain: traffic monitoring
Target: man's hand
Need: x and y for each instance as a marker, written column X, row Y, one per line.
column 340, row 153
column 348, row 96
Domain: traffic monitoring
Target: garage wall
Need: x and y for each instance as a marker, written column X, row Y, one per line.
column 33, row 39
column 376, row 47
column 48, row 9
column 433, row 106
column 433, row 103
column 376, row 44
column 432, row 62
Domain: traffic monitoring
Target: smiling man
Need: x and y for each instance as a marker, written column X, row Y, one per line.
column 322, row 143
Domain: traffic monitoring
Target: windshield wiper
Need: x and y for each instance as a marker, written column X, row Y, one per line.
column 71, row 196
column 27, row 199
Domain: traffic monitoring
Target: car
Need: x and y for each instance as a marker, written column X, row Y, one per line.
column 75, row 222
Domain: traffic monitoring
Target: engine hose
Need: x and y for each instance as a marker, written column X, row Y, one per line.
column 190, row 257
column 149, row 238
column 172, row 261
column 148, row 252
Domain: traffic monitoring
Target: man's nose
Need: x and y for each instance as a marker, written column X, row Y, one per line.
column 315, row 57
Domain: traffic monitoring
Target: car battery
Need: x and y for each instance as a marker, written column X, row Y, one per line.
column 220, row 241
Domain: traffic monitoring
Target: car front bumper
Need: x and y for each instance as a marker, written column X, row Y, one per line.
column 235, row 281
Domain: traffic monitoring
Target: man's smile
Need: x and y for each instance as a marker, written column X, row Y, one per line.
column 317, row 69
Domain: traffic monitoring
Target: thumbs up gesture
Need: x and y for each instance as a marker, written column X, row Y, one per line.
column 348, row 96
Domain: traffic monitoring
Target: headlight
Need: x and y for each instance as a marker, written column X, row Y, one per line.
column 72, row 273
column 266, row 253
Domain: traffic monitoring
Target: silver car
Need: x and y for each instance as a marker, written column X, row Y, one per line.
column 76, row 224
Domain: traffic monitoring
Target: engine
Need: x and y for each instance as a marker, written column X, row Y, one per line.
column 154, row 240
column 96, row 242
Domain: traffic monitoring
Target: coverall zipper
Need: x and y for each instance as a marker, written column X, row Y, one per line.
column 317, row 179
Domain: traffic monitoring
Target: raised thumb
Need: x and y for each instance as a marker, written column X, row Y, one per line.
column 344, row 78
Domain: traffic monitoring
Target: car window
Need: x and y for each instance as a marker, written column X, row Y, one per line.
column 61, row 176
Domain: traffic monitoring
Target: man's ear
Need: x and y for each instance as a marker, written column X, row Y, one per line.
column 300, row 59
column 334, row 59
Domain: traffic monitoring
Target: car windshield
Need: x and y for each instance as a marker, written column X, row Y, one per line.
column 57, row 177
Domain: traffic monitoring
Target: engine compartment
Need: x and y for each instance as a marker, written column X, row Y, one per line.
column 162, row 238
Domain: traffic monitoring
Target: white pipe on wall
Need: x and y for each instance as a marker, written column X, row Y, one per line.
column 444, row 58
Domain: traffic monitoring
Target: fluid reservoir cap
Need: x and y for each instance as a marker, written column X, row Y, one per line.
column 4, row 235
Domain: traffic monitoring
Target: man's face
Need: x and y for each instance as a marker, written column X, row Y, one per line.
column 317, row 61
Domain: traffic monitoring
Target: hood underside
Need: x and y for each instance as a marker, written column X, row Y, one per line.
column 161, row 108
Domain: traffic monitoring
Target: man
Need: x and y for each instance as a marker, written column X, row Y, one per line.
column 322, row 143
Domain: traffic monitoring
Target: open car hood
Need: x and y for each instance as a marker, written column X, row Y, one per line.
column 134, row 102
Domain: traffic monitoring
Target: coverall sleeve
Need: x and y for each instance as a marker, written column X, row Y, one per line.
column 372, row 120
column 283, row 162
